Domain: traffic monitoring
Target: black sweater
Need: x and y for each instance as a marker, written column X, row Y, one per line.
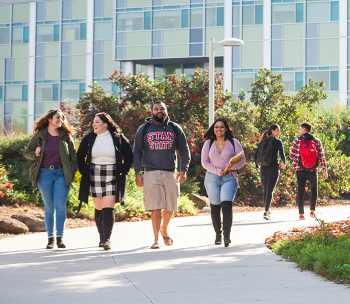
column 277, row 146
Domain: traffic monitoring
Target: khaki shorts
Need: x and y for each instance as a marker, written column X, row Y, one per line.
column 160, row 190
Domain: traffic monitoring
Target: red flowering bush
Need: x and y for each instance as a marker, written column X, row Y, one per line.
column 187, row 101
column 5, row 185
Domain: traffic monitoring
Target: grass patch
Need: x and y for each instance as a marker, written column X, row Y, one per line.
column 322, row 253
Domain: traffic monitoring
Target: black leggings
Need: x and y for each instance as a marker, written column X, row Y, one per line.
column 269, row 178
column 302, row 177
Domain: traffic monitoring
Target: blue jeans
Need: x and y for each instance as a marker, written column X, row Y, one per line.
column 220, row 188
column 51, row 184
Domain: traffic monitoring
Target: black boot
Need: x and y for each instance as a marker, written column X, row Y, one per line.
column 60, row 242
column 99, row 225
column 226, row 221
column 216, row 219
column 50, row 243
column 108, row 223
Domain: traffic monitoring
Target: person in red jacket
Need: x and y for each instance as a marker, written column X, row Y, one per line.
column 306, row 154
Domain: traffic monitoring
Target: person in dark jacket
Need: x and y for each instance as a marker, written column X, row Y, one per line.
column 55, row 163
column 104, row 158
column 156, row 142
column 269, row 174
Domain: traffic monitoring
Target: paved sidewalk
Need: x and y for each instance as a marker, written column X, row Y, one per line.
column 193, row 270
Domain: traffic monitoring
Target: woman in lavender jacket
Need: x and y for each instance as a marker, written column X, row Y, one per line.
column 221, row 186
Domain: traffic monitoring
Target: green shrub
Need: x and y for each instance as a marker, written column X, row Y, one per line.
column 186, row 206
column 329, row 257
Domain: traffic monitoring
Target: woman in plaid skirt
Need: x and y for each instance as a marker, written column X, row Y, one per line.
column 104, row 158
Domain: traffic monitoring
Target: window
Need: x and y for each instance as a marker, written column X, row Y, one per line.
column 236, row 15
column 129, row 22
column 299, row 80
column 258, row 14
column 43, row 92
column 71, row 32
column 196, row 35
column 17, row 35
column 13, row 93
column 210, row 16
column 334, row 80
column 184, row 18
column 196, row 49
column 317, row 12
column 197, row 17
column 189, row 68
column 4, row 35
column 335, row 11
column 70, row 92
column 311, row 52
column 167, row 19
column 248, row 15
column 299, row 14
column 283, row 13
column 98, row 8
column 276, row 53
column 66, row 9
column 20, row 35
column 242, row 81
column 103, row 30
column 147, row 21
column 44, row 33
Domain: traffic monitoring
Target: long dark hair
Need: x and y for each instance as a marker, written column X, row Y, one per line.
column 210, row 133
column 268, row 132
column 43, row 122
column 112, row 126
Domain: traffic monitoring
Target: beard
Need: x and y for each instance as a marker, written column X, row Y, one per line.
column 160, row 119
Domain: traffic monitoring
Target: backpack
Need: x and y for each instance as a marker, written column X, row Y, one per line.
column 264, row 155
column 231, row 140
column 171, row 124
column 308, row 158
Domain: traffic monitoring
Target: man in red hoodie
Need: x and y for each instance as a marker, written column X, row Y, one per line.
column 306, row 154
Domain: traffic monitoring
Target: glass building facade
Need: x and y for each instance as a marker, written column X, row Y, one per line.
column 51, row 51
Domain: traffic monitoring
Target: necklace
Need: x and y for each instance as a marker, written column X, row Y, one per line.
column 220, row 146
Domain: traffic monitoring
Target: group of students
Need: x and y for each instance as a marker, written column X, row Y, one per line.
column 306, row 154
column 104, row 158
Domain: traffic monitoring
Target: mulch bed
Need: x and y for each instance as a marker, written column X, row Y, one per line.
column 298, row 234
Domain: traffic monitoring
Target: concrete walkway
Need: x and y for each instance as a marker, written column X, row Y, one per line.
column 193, row 270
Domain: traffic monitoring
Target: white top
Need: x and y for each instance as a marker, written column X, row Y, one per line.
column 103, row 150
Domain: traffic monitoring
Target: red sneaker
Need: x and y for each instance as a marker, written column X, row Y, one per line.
column 312, row 214
column 301, row 217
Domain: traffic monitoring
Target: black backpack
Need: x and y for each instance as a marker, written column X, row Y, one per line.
column 264, row 155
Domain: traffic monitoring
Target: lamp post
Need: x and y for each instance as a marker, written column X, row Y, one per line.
column 212, row 46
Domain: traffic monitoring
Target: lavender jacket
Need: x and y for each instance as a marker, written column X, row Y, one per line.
column 214, row 162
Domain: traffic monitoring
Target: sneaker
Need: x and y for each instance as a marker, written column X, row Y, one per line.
column 301, row 217
column 312, row 214
column 267, row 216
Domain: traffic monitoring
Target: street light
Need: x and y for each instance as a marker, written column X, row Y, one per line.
column 212, row 46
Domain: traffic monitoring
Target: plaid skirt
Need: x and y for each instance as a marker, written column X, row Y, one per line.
column 102, row 180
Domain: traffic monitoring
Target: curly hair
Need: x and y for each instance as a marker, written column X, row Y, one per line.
column 210, row 133
column 112, row 126
column 43, row 122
